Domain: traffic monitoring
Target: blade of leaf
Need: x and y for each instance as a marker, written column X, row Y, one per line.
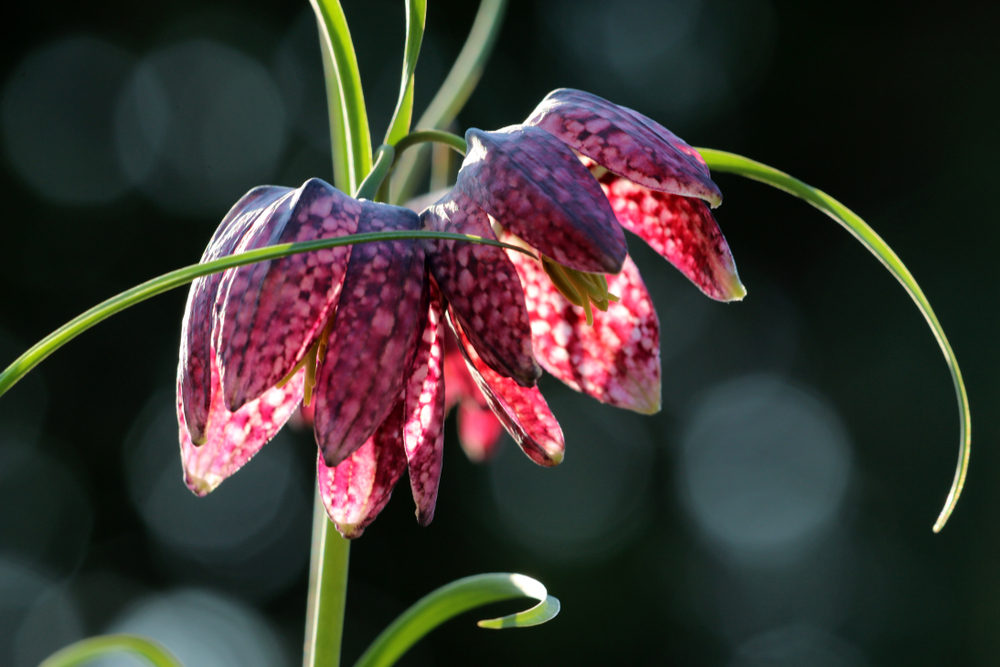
column 86, row 650
column 399, row 126
column 352, row 99
column 722, row 161
column 342, row 163
column 168, row 281
column 453, row 94
column 455, row 598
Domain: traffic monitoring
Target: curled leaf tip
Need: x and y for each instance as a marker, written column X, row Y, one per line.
column 721, row 161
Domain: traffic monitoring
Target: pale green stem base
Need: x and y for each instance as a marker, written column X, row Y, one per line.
column 327, row 591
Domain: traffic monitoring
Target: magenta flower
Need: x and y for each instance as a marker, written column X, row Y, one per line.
column 355, row 330
column 358, row 334
column 597, row 333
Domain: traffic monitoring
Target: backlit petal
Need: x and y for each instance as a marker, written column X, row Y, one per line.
column 232, row 438
column 373, row 336
column 534, row 185
column 626, row 143
column 479, row 431
column 617, row 360
column 271, row 312
column 681, row 229
column 482, row 287
column 423, row 412
column 522, row 411
column 355, row 491
column 193, row 372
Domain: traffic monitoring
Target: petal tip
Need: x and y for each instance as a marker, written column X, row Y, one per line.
column 199, row 487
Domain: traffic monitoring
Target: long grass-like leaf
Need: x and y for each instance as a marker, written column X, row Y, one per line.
column 399, row 126
column 168, row 281
column 453, row 599
column 86, row 650
column 339, row 54
column 721, row 161
column 453, row 94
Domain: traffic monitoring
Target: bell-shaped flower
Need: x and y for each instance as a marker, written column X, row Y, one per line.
column 355, row 332
column 592, row 321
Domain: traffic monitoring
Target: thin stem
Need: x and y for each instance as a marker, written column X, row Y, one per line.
column 423, row 136
column 455, row 90
column 327, row 591
column 721, row 161
column 96, row 647
column 168, row 281
column 384, row 159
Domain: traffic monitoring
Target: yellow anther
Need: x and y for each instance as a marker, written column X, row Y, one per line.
column 562, row 282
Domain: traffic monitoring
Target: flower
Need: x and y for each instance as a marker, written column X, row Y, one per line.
column 355, row 330
column 358, row 333
column 597, row 333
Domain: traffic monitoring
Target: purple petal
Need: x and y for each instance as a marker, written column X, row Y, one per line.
column 423, row 412
column 355, row 491
column 270, row 313
column 193, row 372
column 536, row 187
column 625, row 142
column 232, row 438
column 617, row 360
column 373, row 337
column 482, row 287
column 680, row 229
column 522, row 411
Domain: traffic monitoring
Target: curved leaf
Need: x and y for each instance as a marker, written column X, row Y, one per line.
column 96, row 647
column 454, row 92
column 453, row 599
column 416, row 15
column 722, row 161
column 168, row 281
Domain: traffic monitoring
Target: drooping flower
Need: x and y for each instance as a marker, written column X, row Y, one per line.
column 360, row 333
column 596, row 332
column 357, row 333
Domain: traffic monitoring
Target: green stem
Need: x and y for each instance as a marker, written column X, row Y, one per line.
column 721, row 161
column 168, row 281
column 327, row 591
column 424, row 136
column 454, row 92
column 384, row 159
column 96, row 647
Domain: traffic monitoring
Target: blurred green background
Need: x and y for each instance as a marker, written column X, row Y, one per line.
column 777, row 512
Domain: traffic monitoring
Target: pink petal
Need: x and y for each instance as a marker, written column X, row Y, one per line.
column 479, row 431
column 625, row 142
column 232, row 438
column 373, row 337
column 193, row 372
column 482, row 287
column 522, row 411
column 270, row 313
column 423, row 413
column 617, row 360
column 356, row 490
column 534, row 186
column 682, row 230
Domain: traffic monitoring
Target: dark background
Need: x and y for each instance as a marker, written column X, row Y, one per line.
column 778, row 510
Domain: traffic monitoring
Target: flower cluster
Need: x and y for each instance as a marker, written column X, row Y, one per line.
column 360, row 334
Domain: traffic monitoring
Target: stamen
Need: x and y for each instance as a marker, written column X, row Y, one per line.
column 580, row 288
column 561, row 281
